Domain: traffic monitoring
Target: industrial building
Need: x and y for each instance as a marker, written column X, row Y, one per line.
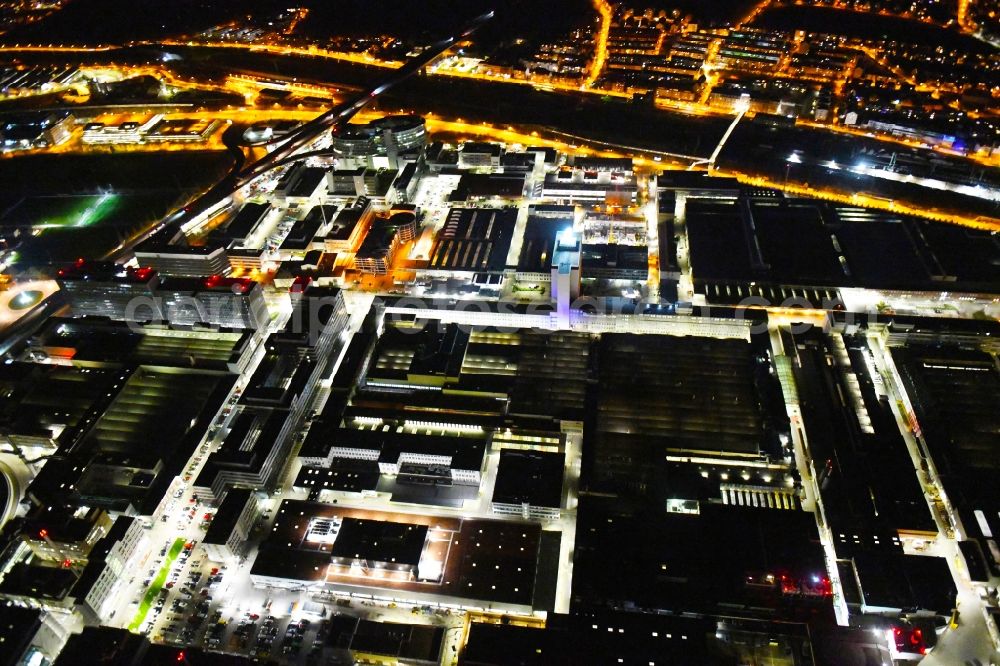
column 473, row 240
column 481, row 561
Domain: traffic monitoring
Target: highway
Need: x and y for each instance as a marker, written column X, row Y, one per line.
column 586, row 87
column 294, row 147
column 343, row 113
column 309, row 131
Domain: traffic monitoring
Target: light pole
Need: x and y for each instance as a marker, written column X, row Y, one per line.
column 789, row 161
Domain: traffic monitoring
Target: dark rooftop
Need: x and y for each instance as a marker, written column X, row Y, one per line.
column 955, row 393
column 488, row 560
column 380, row 541
column 118, row 647
column 106, row 271
column 539, row 241
column 532, row 477
column 379, row 239
column 594, row 163
column 344, row 474
column 248, row 446
column 245, row 221
column 835, row 245
column 17, row 627
column 488, row 185
column 99, row 341
column 45, row 583
column 869, row 484
column 639, row 554
column 908, row 582
column 465, row 452
column 303, row 231
column 38, row 400
column 600, row 259
column 139, row 442
column 496, row 561
column 405, row 353
column 309, row 179
column 595, row 638
column 406, row 641
column 482, row 147
column 279, row 378
column 660, row 394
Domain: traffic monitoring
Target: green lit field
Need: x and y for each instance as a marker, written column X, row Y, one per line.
column 48, row 212
column 86, row 205
column 155, row 586
column 76, row 211
column 70, row 226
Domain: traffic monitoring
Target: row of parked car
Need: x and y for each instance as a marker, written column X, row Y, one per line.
column 191, row 607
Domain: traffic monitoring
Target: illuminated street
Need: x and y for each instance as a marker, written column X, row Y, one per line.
column 586, row 332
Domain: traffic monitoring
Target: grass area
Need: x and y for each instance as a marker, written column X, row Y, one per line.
column 87, row 210
column 68, row 211
column 80, row 225
column 157, row 584
column 94, row 211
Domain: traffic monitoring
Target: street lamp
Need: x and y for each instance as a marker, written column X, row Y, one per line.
column 789, row 161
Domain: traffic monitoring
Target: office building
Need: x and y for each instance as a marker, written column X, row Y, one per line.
column 529, row 484
column 109, row 568
column 226, row 537
column 183, row 260
column 384, row 237
column 301, row 185
column 105, row 289
column 382, row 143
column 65, row 533
column 478, row 154
column 229, row 302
